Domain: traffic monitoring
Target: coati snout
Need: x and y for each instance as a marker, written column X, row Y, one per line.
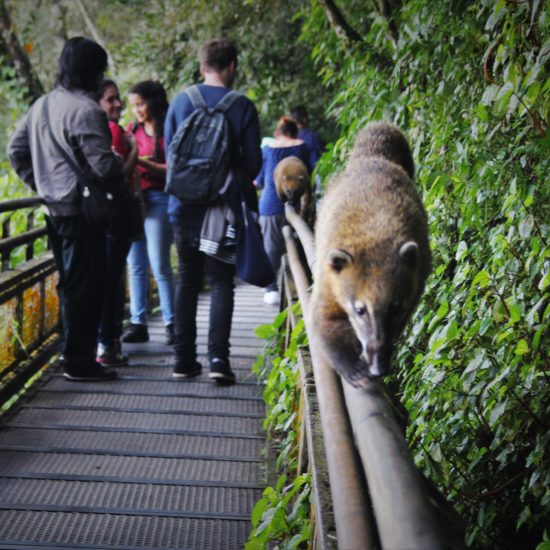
column 373, row 255
column 375, row 306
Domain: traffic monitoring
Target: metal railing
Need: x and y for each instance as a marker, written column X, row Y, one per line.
column 379, row 499
column 29, row 308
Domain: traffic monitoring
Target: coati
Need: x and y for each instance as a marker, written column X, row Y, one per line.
column 293, row 184
column 372, row 255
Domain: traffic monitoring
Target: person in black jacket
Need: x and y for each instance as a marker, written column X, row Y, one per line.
column 79, row 126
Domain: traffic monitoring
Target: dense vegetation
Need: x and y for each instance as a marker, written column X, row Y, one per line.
column 469, row 81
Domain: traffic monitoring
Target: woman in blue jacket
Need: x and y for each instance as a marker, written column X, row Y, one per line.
column 271, row 208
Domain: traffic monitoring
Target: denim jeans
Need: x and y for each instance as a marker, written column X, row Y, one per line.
column 154, row 250
column 192, row 264
column 112, row 315
column 79, row 251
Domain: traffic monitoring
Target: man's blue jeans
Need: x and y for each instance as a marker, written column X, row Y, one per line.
column 153, row 250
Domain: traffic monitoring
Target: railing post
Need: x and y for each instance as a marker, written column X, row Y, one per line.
column 5, row 235
column 29, row 255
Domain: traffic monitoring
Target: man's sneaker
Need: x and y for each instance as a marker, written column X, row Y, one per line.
column 184, row 369
column 170, row 335
column 136, row 333
column 93, row 373
column 221, row 372
column 110, row 356
column 272, row 297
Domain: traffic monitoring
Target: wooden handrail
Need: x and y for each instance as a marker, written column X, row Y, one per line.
column 361, row 422
column 29, row 299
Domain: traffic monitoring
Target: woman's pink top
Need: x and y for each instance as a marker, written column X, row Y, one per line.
column 153, row 151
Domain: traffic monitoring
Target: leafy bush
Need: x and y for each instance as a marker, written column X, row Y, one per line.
column 282, row 514
column 469, row 82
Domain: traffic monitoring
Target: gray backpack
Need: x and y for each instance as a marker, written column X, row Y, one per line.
column 198, row 156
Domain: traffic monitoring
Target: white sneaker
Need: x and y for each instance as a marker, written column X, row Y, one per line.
column 272, row 297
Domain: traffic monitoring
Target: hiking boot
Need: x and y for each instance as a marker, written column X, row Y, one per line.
column 221, row 372
column 136, row 333
column 93, row 373
column 170, row 335
column 184, row 369
column 111, row 356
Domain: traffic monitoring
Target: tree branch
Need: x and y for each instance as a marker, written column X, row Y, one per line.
column 9, row 44
column 341, row 27
column 387, row 10
column 94, row 32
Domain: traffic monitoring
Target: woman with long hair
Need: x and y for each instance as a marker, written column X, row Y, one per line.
column 109, row 351
column 149, row 105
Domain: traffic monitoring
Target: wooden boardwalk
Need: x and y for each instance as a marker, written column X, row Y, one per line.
column 143, row 462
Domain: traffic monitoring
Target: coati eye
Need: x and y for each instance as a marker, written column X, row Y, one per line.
column 360, row 309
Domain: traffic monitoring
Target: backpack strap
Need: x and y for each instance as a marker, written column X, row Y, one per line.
column 226, row 101
column 196, row 97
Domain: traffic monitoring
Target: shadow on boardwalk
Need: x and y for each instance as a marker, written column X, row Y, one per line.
column 141, row 462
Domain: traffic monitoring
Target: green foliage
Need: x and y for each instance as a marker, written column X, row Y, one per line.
column 473, row 367
column 282, row 514
column 11, row 188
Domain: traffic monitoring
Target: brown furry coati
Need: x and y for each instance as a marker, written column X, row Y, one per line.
column 293, row 184
column 372, row 253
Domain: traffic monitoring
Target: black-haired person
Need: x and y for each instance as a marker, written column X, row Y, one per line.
column 80, row 127
column 149, row 105
column 272, row 210
column 109, row 351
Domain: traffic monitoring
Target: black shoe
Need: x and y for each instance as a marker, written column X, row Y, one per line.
column 221, row 372
column 94, row 373
column 136, row 333
column 184, row 369
column 170, row 335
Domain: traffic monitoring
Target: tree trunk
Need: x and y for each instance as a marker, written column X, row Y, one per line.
column 10, row 46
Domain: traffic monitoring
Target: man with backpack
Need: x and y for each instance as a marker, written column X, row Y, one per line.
column 206, row 150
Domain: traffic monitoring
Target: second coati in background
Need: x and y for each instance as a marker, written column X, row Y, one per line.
column 372, row 255
column 293, row 184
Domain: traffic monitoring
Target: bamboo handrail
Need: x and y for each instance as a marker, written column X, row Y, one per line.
column 405, row 518
column 348, row 492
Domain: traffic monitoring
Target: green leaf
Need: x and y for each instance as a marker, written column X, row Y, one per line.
column 264, row 331
column 461, row 251
column 522, row 348
column 258, row 511
column 481, row 280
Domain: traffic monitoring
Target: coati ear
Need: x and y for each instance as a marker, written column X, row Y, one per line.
column 339, row 259
column 409, row 252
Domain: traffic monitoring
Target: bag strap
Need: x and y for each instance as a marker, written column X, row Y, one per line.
column 226, row 101
column 62, row 151
column 198, row 102
column 196, row 97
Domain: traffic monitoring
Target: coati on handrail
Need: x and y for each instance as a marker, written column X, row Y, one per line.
column 372, row 253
